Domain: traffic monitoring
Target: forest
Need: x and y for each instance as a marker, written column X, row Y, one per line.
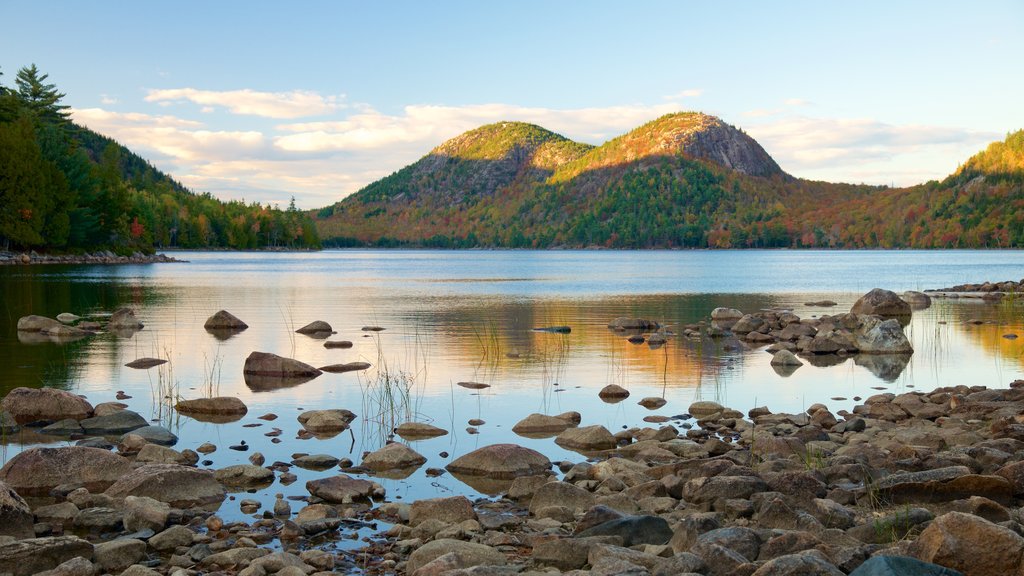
column 67, row 189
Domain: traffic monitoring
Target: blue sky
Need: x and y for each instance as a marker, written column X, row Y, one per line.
column 265, row 100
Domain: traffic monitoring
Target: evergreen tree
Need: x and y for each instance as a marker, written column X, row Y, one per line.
column 41, row 99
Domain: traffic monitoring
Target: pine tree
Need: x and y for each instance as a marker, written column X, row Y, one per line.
column 41, row 99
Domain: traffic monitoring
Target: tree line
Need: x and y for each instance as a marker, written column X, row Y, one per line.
column 65, row 188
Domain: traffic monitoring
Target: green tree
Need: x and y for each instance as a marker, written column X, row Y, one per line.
column 41, row 99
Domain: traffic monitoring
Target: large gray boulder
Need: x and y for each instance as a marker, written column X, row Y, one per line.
column 501, row 461
column 35, row 555
column 393, row 456
column 179, row 486
column 218, row 405
column 267, row 364
column 586, row 438
column 878, row 336
column 37, row 471
column 244, row 476
column 343, row 489
column 15, row 516
column 970, row 544
column 28, row 405
column 468, row 554
column 880, row 302
column 117, row 423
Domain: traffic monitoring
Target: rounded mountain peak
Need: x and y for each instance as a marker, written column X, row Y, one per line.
column 494, row 141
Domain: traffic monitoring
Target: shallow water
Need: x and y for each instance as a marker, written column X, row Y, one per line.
column 468, row 316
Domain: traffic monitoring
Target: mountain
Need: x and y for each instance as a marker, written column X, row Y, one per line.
column 683, row 180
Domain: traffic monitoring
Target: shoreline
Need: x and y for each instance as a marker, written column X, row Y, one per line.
column 104, row 257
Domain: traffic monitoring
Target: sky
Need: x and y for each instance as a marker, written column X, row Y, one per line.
column 265, row 101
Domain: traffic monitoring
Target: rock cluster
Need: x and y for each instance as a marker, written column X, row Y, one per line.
column 102, row 257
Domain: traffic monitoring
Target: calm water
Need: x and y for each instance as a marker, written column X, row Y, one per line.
column 456, row 316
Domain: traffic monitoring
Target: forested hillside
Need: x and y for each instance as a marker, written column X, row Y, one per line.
column 65, row 188
column 683, row 180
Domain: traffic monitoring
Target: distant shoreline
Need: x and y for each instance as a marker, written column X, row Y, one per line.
column 101, row 257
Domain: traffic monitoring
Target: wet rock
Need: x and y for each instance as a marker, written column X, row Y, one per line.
column 555, row 329
column 587, row 438
column 468, row 553
column 224, row 320
column 705, row 408
column 37, row 471
column 315, row 327
column 124, row 319
column 67, row 318
column 244, row 476
column 218, row 405
column 419, row 430
column 7, row 423
column 119, row 422
column 108, row 408
column 27, row 405
column 392, row 457
column 145, row 363
column 881, row 302
column 35, row 555
column 179, row 486
column 64, row 427
column 333, row 420
column 613, row 392
column 119, row 554
column 726, row 314
column 338, row 344
column 315, row 461
column 473, row 385
column 624, row 323
column 501, row 461
column 15, row 516
column 541, row 424
column 156, row 435
column 33, row 323
column 652, row 402
column 343, row 489
column 954, row 540
column 267, row 364
column 347, row 367
column 785, row 358
column 156, row 454
column 634, row 530
column 877, row 336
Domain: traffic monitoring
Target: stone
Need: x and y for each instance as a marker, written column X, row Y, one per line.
column 99, row 519
column 501, row 461
column 810, row 563
column 156, row 454
column 322, row 421
column 62, row 514
column 564, row 553
column 880, row 302
column 877, row 336
column 233, row 557
column 901, row 566
column 142, row 512
column 346, row 367
column 343, row 489
column 244, row 476
column 469, row 553
column 76, row 566
column 224, row 320
column 315, row 327
column 633, row 530
column 338, row 344
column 35, row 555
column 156, row 435
column 624, row 323
column 124, row 319
column 218, row 405
column 451, row 510
column 540, row 424
column 27, row 405
column 172, row 538
column 65, row 427
column 145, row 363
column 119, row 422
column 117, row 555
column 652, row 402
column 419, row 430
column 681, row 563
column 917, row 300
column 705, row 408
column 969, row 544
column 315, row 461
column 613, row 392
column 33, row 323
column 108, row 408
column 37, row 471
column 701, row 490
column 785, row 358
column 392, row 457
column 891, row 527
column 586, row 438
column 726, row 314
column 744, row 541
column 267, row 364
column 139, row 570
column 15, row 515
column 179, row 486
column 564, row 494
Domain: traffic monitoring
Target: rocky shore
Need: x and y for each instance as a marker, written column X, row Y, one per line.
column 984, row 290
column 103, row 257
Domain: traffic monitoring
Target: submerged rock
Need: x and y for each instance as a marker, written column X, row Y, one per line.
column 33, row 323
column 348, row 367
column 124, row 319
column 144, row 363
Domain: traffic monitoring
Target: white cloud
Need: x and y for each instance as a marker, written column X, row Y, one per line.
column 688, row 93
column 292, row 104
column 107, row 100
column 797, row 102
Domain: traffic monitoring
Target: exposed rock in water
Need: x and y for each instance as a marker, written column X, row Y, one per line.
column 880, row 302
column 36, row 471
column 343, row 489
column 541, row 424
column 156, row 435
column 315, row 327
column 27, row 405
column 613, row 392
column 555, row 329
column 652, row 402
column 587, row 438
column 419, row 430
column 349, row 367
column 463, row 555
column 624, row 323
column 473, row 385
column 33, row 323
column 877, row 336
column 333, row 420
column 917, row 300
column 726, row 314
column 267, row 364
column 124, row 319
column 338, row 344
column 224, row 320
column 785, row 358
column 67, row 318
column 37, row 555
column 244, row 476
column 372, row 329
column 143, row 363
column 179, row 486
column 220, row 405
column 16, row 517
column 392, row 457
column 118, row 422
column 500, row 461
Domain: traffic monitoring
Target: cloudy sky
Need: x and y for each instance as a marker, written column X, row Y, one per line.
column 268, row 100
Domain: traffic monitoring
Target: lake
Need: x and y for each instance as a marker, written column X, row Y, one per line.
column 454, row 316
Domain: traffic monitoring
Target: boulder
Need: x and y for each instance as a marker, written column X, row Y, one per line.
column 315, row 327
column 332, row 420
column 117, row 555
column 807, row 563
column 468, row 554
column 917, row 300
column 392, row 457
column 224, row 320
column 347, row 367
column 171, row 538
column 969, row 544
column 624, row 323
column 501, row 461
column 142, row 513
column 27, row 405
column 244, row 476
column 267, row 364
column 652, row 402
column 37, row 471
column 15, row 516
column 179, row 486
column 704, row 408
column 576, row 499
column 419, row 430
column 144, row 363
column 156, row 435
column 68, row 318
column 343, row 489
column 34, row 323
column 877, row 336
column 451, row 510
column 116, row 423
column 901, row 566
column 79, row 566
column 633, row 530
column 726, row 314
column 586, row 438
column 613, row 392
column 785, row 358
column 124, row 319
column 315, row 461
column 541, row 424
column 881, row 302
column 35, row 555
column 338, row 344
column 218, row 405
